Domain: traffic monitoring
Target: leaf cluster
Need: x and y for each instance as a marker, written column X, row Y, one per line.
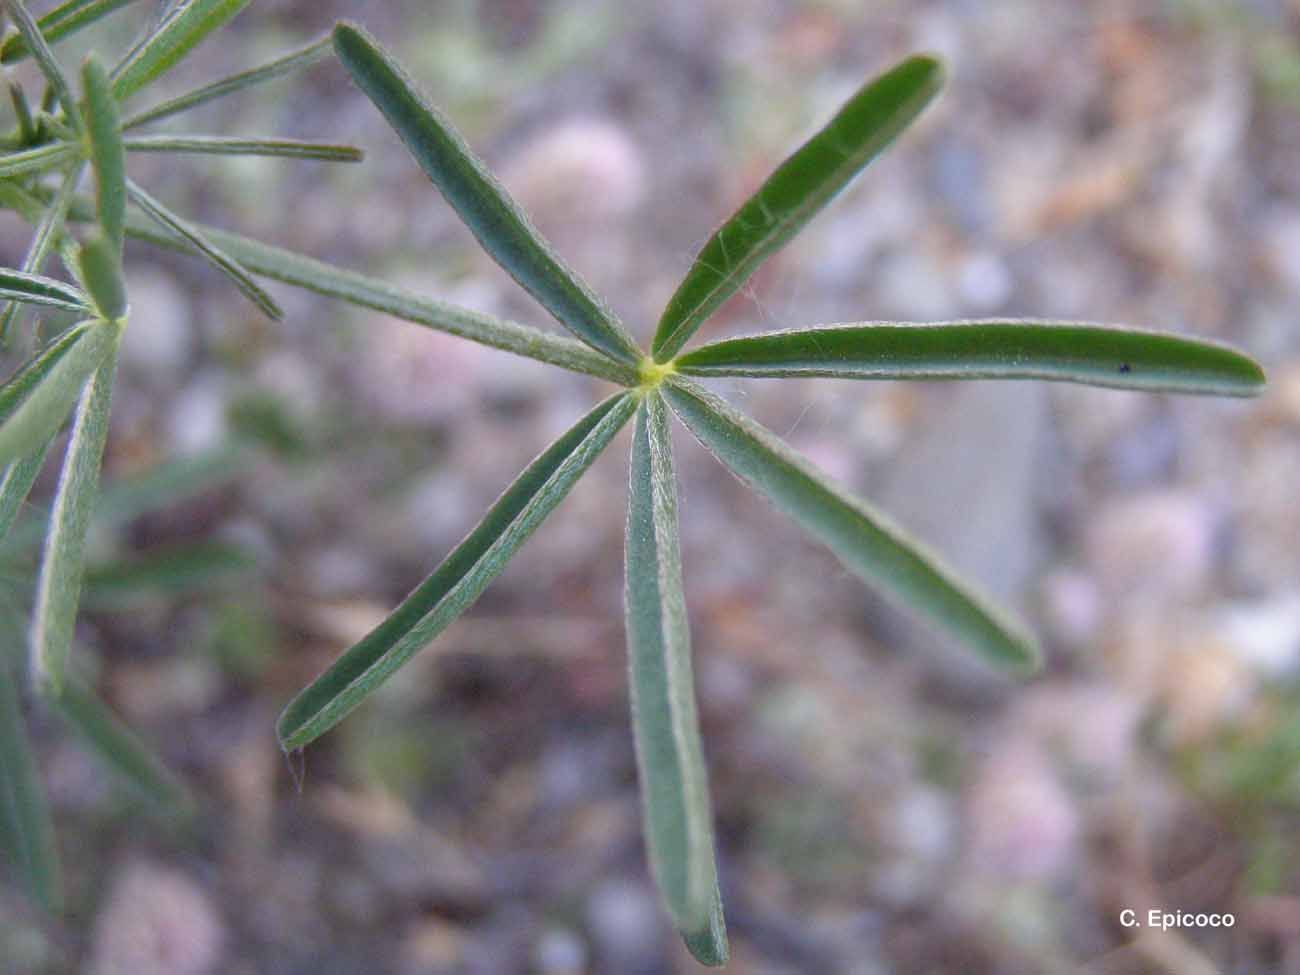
column 57, row 140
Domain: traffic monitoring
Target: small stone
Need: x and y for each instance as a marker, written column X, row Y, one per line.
column 624, row 922
column 560, row 952
column 984, row 282
column 583, row 168
column 156, row 921
column 1157, row 544
column 197, row 419
column 160, row 340
column 1265, row 636
column 1023, row 825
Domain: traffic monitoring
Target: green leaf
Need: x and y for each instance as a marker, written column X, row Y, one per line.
column 670, row 757
column 120, row 750
column 168, row 573
column 23, row 112
column 197, row 239
column 709, row 944
column 367, row 292
column 65, row 19
column 183, row 28
column 1064, row 351
column 26, row 829
column 454, row 585
column 793, row 194
column 15, row 484
column 245, row 79
column 35, row 402
column 36, row 43
column 35, row 160
column 37, row 290
column 218, row 145
column 482, row 203
column 58, row 589
column 106, row 152
column 101, row 268
column 862, row 538
column 48, row 230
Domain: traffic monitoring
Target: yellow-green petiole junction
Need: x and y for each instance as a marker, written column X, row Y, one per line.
column 652, row 374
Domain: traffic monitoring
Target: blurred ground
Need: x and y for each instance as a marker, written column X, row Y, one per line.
column 882, row 806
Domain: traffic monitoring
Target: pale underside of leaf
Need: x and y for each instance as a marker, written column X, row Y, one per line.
column 15, row 484
column 862, row 538
column 670, row 756
column 58, row 588
column 1078, row 352
column 458, row 581
column 35, row 402
column 482, row 203
column 794, row 193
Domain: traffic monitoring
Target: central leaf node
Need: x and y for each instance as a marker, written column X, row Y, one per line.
column 654, row 373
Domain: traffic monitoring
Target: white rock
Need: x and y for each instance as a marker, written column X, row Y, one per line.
column 156, row 921
column 160, row 339
column 1265, row 636
column 1157, row 544
column 1023, row 825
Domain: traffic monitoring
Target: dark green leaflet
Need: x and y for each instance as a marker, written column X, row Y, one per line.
column 670, row 756
column 454, row 585
column 794, row 193
column 498, row 223
column 106, row 153
column 1062, row 351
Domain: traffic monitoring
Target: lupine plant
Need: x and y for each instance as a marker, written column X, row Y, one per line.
column 39, row 175
column 663, row 380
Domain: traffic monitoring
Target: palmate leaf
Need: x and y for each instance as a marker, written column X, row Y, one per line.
column 186, row 26
column 670, row 756
column 58, row 588
column 36, row 401
column 793, row 194
column 482, row 203
column 226, row 86
column 1063, row 351
column 455, row 584
column 862, row 538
